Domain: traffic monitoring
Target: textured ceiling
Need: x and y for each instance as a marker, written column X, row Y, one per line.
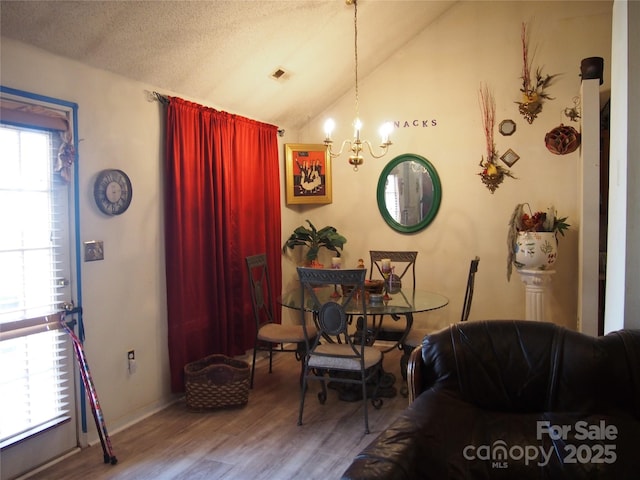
column 223, row 53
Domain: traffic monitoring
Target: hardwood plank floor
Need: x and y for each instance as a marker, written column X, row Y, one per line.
column 259, row 441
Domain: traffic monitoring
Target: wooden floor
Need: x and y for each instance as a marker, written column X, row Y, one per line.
column 259, row 441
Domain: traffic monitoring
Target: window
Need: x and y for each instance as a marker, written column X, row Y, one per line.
column 35, row 386
column 34, row 395
column 392, row 197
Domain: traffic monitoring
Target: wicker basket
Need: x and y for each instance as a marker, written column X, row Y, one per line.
column 216, row 381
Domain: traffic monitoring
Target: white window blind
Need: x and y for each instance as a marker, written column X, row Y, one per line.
column 34, row 383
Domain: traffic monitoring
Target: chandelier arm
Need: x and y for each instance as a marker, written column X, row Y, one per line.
column 331, row 152
column 384, row 147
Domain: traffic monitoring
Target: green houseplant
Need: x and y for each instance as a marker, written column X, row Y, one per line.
column 327, row 237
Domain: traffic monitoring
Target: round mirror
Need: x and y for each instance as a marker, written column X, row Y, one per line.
column 409, row 193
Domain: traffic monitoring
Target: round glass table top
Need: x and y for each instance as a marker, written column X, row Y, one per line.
column 402, row 302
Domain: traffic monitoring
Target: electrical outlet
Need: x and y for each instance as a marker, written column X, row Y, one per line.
column 131, row 355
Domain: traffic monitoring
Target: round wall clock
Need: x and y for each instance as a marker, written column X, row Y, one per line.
column 112, row 191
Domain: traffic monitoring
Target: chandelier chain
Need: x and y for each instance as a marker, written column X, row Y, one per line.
column 357, row 145
column 355, row 37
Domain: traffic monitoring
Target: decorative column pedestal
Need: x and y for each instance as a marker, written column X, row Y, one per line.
column 536, row 284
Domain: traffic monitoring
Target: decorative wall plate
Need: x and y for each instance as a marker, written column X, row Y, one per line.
column 562, row 140
column 507, row 127
column 510, row 157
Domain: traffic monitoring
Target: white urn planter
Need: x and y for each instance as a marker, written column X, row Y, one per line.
column 535, row 250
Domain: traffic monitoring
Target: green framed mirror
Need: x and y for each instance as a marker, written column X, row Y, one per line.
column 409, row 193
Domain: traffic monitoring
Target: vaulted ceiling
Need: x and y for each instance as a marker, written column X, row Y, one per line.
column 224, row 53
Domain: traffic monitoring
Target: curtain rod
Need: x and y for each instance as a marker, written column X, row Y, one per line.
column 165, row 101
column 161, row 98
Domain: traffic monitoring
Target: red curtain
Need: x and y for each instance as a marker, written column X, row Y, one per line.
column 222, row 203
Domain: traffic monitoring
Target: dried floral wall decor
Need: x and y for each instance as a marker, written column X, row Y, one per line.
column 533, row 87
column 492, row 174
column 562, row 140
column 573, row 113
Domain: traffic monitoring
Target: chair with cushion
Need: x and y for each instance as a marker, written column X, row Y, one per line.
column 333, row 354
column 270, row 335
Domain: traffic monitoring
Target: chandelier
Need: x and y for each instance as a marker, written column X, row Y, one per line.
column 356, row 145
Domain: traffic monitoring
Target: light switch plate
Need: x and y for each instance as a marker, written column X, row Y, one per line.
column 93, row 250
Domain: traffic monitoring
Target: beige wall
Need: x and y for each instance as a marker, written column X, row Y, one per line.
column 438, row 75
column 124, row 300
column 435, row 76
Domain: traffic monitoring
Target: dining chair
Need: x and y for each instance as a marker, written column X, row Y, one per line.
column 405, row 260
column 270, row 336
column 468, row 294
column 404, row 263
column 334, row 354
column 416, row 335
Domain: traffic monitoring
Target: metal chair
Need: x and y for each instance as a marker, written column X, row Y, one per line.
column 405, row 260
column 334, row 353
column 468, row 294
column 416, row 335
column 404, row 263
column 268, row 333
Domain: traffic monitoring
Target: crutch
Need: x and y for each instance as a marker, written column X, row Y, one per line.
column 105, row 441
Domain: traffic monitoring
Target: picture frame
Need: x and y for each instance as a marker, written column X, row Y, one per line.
column 510, row 157
column 507, row 127
column 307, row 174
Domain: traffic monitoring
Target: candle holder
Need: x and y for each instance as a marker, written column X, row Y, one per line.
column 387, row 271
column 335, row 265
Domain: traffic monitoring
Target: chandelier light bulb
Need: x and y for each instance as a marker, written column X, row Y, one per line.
column 357, row 124
column 385, row 130
column 329, row 125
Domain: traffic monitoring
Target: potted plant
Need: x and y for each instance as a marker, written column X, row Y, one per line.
column 327, row 237
column 532, row 239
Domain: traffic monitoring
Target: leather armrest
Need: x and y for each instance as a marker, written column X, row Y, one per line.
column 414, row 373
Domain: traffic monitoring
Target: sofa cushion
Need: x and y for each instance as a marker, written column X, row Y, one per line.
column 620, row 385
column 441, row 436
column 520, row 366
column 515, row 399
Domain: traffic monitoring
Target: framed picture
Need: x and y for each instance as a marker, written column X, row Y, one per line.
column 507, row 127
column 510, row 157
column 308, row 174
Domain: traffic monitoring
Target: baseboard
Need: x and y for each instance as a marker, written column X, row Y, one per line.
column 138, row 416
column 48, row 464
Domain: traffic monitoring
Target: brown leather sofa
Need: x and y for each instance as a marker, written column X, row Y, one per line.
column 514, row 400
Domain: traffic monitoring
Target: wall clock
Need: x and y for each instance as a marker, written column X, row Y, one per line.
column 112, row 191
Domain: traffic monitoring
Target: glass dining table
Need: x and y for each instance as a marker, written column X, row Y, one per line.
column 404, row 302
